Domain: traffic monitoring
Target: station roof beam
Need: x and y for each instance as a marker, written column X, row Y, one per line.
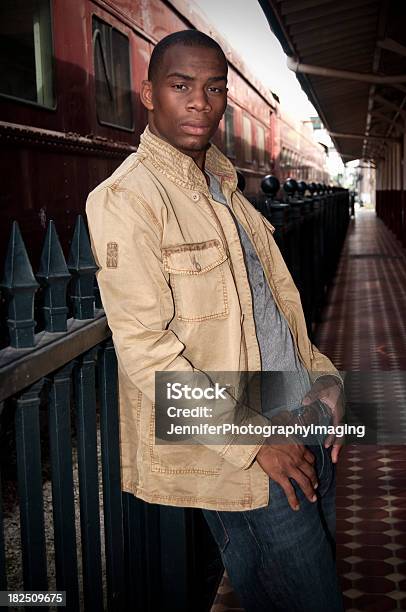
column 350, row 58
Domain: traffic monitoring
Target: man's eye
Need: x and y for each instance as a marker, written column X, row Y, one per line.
column 179, row 86
column 215, row 89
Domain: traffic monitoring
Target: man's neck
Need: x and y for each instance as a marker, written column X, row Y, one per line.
column 199, row 157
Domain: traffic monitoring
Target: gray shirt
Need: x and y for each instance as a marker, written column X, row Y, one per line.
column 289, row 381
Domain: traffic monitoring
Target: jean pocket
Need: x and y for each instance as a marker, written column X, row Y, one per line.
column 217, row 528
column 325, row 469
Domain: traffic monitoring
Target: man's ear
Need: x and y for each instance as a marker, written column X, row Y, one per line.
column 146, row 95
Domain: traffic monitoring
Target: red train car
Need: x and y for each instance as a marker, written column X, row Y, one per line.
column 70, row 111
column 299, row 155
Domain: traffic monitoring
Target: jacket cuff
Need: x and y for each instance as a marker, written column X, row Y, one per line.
column 317, row 375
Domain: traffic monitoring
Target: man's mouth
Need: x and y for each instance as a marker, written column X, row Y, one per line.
column 195, row 129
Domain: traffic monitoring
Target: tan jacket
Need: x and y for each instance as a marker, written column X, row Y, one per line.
column 175, row 290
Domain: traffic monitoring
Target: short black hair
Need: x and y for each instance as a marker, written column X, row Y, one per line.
column 187, row 38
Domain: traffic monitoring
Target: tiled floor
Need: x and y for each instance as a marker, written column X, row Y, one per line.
column 364, row 328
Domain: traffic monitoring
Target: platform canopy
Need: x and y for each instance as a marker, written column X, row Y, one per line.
column 350, row 58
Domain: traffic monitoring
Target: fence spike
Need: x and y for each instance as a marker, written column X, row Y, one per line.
column 20, row 285
column 54, row 275
column 82, row 266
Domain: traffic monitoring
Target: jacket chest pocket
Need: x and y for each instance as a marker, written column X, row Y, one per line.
column 197, row 278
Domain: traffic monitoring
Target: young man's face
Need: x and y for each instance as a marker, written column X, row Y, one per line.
column 187, row 97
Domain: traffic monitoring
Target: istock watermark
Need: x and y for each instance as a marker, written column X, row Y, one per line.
column 240, row 407
column 266, row 431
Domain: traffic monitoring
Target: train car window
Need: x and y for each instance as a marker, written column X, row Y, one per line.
column 247, row 137
column 26, row 51
column 229, row 131
column 111, row 52
column 261, row 145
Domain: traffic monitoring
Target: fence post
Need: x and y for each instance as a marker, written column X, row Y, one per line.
column 295, row 261
column 30, row 489
column 86, row 424
column 20, row 285
column 175, row 559
column 135, row 554
column 62, row 486
column 82, row 266
column 112, row 498
column 54, row 275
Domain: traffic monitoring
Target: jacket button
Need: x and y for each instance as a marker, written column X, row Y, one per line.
column 198, row 266
column 195, row 197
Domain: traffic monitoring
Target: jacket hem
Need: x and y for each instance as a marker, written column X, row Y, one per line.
column 206, row 503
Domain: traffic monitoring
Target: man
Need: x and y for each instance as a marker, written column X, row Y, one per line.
column 192, row 281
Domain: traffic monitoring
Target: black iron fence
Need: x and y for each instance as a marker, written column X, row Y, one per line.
column 310, row 230
column 59, row 427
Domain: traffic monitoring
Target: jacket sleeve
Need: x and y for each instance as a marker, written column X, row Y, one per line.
column 137, row 298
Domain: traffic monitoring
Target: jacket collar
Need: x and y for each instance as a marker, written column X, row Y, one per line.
column 181, row 169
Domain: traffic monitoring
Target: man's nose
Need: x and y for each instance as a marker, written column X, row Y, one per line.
column 199, row 100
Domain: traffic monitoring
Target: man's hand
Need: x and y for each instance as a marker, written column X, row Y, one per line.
column 329, row 390
column 284, row 461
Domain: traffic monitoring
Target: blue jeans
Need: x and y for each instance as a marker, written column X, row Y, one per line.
column 279, row 559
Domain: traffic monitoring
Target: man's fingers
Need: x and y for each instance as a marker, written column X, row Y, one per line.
column 310, row 473
column 329, row 441
column 304, row 483
column 309, row 456
column 289, row 492
column 335, row 452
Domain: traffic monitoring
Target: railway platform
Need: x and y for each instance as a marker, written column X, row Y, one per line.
column 363, row 328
